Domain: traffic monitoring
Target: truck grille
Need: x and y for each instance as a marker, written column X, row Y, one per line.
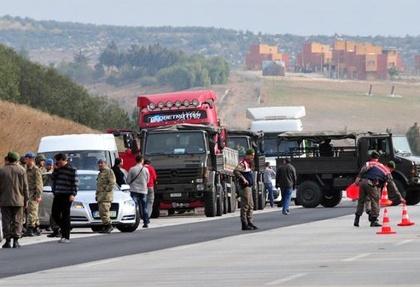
column 182, row 175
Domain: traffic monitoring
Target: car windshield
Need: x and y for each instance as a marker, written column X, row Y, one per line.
column 401, row 145
column 241, row 144
column 86, row 182
column 175, row 143
column 83, row 160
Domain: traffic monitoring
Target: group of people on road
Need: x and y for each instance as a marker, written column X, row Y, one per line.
column 286, row 180
column 22, row 181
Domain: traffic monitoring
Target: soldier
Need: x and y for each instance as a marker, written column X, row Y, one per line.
column 13, row 199
column 371, row 179
column 244, row 173
column 104, row 194
column 35, row 186
column 40, row 162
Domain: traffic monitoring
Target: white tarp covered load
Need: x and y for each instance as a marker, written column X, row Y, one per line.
column 277, row 126
column 275, row 113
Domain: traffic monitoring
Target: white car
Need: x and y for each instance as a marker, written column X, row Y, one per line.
column 84, row 211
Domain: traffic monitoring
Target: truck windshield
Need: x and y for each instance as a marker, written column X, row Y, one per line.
column 175, row 143
column 241, row 144
column 273, row 148
column 401, row 145
column 83, row 160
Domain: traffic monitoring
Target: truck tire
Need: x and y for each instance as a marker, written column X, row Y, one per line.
column 156, row 209
column 310, row 194
column 210, row 203
column 232, row 203
column 255, row 197
column 261, row 197
column 401, row 188
column 225, row 198
column 413, row 197
column 332, row 200
column 219, row 201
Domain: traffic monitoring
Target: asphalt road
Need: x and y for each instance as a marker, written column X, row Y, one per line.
column 48, row 255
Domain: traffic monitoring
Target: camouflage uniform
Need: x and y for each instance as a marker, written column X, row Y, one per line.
column 35, row 186
column 243, row 171
column 104, row 193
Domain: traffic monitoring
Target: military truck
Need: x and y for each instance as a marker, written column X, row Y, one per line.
column 242, row 140
column 322, row 176
column 194, row 169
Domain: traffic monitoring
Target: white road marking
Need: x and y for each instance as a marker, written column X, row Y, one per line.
column 403, row 242
column 286, row 279
column 354, row 258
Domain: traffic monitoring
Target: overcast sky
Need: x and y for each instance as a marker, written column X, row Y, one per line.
column 303, row 17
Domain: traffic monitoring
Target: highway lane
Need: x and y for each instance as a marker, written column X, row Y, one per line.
column 44, row 256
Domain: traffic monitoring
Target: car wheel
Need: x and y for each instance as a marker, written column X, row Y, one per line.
column 130, row 227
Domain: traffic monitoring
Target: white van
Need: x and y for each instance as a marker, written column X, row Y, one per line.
column 83, row 150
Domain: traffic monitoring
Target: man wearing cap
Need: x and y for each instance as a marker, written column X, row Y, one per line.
column 35, row 186
column 371, row 179
column 40, row 162
column 13, row 199
column 245, row 176
column 105, row 184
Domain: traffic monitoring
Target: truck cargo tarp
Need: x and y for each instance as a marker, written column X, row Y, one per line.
column 277, row 126
column 275, row 113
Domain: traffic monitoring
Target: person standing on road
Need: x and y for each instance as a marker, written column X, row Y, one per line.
column 286, row 180
column 137, row 178
column 64, row 187
column 14, row 197
column 269, row 174
column 120, row 175
column 245, row 176
column 105, row 184
column 371, row 179
column 150, row 186
column 40, row 163
column 35, row 186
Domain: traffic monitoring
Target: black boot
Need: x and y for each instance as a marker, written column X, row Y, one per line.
column 107, row 229
column 29, row 232
column 16, row 243
column 7, row 244
column 36, row 231
column 252, row 226
column 374, row 222
column 245, row 226
column 56, row 233
column 356, row 220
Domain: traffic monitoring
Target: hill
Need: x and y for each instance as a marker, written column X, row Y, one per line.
column 52, row 41
column 22, row 127
column 330, row 104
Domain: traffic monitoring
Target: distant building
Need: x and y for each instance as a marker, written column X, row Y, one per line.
column 314, row 57
column 273, row 68
column 261, row 52
column 417, row 64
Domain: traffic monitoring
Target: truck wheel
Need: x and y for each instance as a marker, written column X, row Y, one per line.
column 219, row 201
column 225, row 199
column 255, row 197
column 261, row 197
column 401, row 188
column 332, row 200
column 310, row 194
column 210, row 203
column 156, row 209
column 412, row 197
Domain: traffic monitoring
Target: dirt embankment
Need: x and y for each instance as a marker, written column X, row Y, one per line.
column 22, row 127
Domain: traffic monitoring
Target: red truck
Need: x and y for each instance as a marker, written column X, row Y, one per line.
column 181, row 134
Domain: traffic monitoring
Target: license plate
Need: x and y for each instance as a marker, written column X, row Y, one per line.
column 112, row 213
column 176, row 195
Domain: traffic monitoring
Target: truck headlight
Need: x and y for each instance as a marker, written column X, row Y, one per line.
column 200, row 187
column 77, row 205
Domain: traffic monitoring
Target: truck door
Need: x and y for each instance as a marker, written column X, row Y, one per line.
column 382, row 145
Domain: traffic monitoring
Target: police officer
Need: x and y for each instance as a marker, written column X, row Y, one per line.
column 104, row 194
column 245, row 176
column 35, row 186
column 371, row 179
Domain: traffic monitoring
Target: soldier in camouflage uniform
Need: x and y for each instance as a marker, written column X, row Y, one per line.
column 104, row 194
column 35, row 186
column 40, row 163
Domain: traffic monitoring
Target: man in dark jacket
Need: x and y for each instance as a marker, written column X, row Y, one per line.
column 64, row 187
column 286, row 180
column 120, row 176
column 14, row 197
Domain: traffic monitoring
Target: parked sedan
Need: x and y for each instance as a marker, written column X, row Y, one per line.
column 84, row 210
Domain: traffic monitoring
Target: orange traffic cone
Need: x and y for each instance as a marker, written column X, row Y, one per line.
column 384, row 197
column 405, row 221
column 386, row 229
